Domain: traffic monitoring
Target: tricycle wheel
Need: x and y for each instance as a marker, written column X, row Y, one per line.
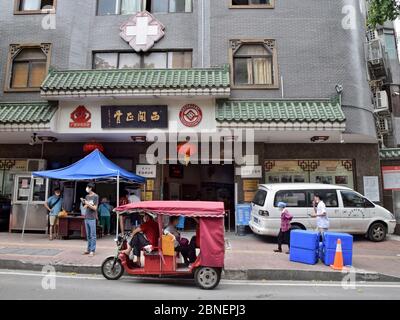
column 207, row 278
column 112, row 268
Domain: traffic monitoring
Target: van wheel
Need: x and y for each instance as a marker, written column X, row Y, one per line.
column 377, row 232
column 112, row 268
column 296, row 227
column 207, row 278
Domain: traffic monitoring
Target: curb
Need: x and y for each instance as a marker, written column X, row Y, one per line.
column 251, row 274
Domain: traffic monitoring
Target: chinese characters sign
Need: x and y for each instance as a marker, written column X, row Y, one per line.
column 114, row 117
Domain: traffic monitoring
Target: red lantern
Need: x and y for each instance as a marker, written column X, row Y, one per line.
column 187, row 149
column 91, row 146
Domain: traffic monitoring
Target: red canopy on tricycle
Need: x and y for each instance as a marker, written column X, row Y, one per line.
column 211, row 219
column 177, row 208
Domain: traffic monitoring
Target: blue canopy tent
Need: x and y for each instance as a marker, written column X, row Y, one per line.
column 94, row 166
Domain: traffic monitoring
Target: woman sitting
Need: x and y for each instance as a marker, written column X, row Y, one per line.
column 181, row 244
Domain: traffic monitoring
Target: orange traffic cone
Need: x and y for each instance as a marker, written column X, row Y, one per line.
column 338, row 262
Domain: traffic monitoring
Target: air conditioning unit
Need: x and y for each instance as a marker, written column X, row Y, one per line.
column 381, row 101
column 36, row 165
column 384, row 125
column 372, row 34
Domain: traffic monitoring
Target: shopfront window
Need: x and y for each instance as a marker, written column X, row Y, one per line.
column 338, row 172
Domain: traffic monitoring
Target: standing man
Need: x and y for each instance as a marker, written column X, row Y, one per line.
column 90, row 205
column 54, row 205
column 320, row 214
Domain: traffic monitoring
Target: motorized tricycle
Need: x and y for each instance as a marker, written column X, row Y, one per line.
column 207, row 268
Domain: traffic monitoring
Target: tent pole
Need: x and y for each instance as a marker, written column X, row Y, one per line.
column 117, row 205
column 27, row 207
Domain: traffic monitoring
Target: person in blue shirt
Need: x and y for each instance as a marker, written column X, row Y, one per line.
column 105, row 210
column 54, row 206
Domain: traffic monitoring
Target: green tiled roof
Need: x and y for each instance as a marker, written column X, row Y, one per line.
column 278, row 111
column 136, row 80
column 26, row 113
column 389, row 154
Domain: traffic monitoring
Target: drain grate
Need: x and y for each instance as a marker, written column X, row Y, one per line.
column 30, row 251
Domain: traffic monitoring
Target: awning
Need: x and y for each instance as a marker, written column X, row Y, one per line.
column 281, row 114
column 26, row 116
column 92, row 167
column 390, row 154
column 137, row 82
column 177, row 208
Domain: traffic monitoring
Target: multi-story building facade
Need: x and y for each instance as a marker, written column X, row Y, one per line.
column 105, row 70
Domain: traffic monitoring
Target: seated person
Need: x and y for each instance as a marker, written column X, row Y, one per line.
column 194, row 242
column 143, row 237
column 181, row 244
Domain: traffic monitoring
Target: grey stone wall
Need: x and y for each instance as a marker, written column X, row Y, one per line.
column 315, row 52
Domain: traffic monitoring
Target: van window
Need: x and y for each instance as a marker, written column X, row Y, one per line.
column 293, row 198
column 354, row 200
column 259, row 198
column 329, row 197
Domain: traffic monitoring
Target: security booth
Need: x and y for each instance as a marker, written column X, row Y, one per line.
column 29, row 195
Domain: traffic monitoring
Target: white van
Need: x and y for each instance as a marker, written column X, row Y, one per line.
column 348, row 211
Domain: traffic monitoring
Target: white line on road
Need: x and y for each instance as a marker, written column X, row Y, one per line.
column 227, row 282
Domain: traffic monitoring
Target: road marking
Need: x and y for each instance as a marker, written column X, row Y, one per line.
column 288, row 284
column 225, row 282
column 65, row 276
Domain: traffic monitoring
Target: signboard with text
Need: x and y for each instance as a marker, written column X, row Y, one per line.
column 391, row 178
column 134, row 117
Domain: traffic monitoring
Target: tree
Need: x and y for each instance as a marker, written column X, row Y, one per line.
column 382, row 10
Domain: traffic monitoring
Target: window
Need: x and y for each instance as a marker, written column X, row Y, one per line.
column 252, row 3
column 33, row 6
column 254, row 65
column 152, row 60
column 292, row 198
column 390, row 45
column 27, row 67
column 328, row 196
column 112, row 7
column 259, row 198
column 354, row 200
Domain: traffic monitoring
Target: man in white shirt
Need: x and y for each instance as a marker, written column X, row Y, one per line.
column 320, row 214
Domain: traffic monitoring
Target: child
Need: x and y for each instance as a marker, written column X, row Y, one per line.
column 105, row 215
column 284, row 232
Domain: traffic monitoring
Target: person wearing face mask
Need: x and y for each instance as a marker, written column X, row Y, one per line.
column 90, row 205
column 54, row 205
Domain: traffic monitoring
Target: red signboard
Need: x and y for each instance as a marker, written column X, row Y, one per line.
column 191, row 115
column 80, row 118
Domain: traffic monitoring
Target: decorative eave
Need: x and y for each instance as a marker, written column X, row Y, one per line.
column 281, row 115
column 26, row 116
column 137, row 83
column 390, row 154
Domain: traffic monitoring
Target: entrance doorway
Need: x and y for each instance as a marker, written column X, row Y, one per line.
column 201, row 183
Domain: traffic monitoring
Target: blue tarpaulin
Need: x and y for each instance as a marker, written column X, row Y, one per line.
column 94, row 166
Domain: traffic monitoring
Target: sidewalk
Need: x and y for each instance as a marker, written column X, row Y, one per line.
column 247, row 257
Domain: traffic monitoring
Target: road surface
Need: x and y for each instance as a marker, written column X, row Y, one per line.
column 29, row 285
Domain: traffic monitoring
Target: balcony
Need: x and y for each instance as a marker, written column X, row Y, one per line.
column 377, row 60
